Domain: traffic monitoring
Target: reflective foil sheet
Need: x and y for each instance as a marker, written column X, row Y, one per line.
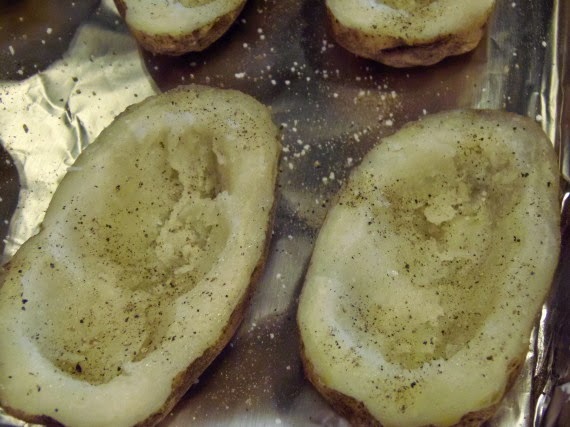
column 67, row 68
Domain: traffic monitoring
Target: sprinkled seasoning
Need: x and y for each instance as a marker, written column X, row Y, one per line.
column 413, row 296
column 136, row 255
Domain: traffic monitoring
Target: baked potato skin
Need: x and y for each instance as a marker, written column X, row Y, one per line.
column 179, row 44
column 358, row 415
column 399, row 53
column 354, row 409
column 188, row 376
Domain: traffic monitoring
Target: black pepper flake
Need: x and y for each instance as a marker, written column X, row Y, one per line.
column 78, row 368
column 26, row 129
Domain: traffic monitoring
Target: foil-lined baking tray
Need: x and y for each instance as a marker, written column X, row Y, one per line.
column 68, row 67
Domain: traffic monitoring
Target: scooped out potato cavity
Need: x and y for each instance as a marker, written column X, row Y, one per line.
column 429, row 272
column 144, row 263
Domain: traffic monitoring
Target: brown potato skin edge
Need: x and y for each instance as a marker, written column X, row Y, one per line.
column 398, row 53
column 358, row 415
column 176, row 45
column 186, row 378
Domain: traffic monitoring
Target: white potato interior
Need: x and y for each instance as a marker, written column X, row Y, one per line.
column 176, row 17
column 411, row 21
column 147, row 248
column 431, row 268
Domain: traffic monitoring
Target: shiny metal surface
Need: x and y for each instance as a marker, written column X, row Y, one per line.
column 332, row 107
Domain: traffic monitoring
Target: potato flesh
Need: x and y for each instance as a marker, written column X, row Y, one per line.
column 409, row 22
column 147, row 248
column 430, row 270
column 176, row 17
column 156, row 247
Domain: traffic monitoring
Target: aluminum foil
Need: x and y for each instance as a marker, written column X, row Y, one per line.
column 68, row 68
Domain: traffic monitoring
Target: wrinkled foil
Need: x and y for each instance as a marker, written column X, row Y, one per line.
column 68, row 68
